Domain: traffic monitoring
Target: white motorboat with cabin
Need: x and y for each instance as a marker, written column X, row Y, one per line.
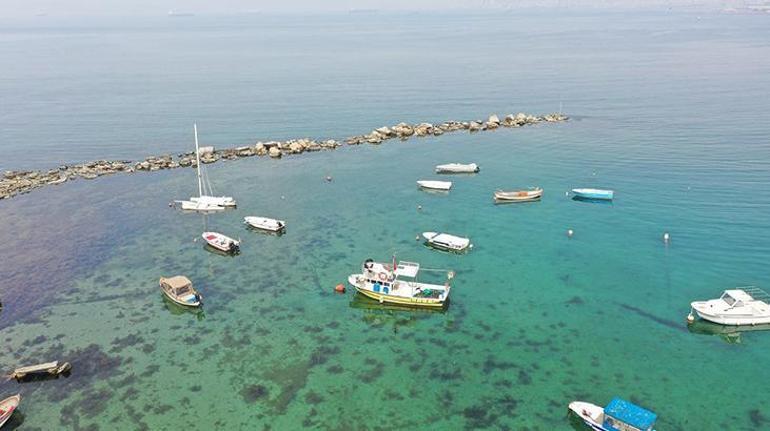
column 748, row 305
column 457, row 168
column 618, row 415
column 204, row 202
column 435, row 185
column 222, row 242
column 445, row 241
column 179, row 289
column 265, row 223
column 396, row 283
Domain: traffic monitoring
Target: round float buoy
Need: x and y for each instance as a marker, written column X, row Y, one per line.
column 328, row 178
column 566, row 193
column 666, row 237
column 417, row 238
column 283, row 197
column 690, row 318
column 419, row 207
column 340, row 288
column 570, row 232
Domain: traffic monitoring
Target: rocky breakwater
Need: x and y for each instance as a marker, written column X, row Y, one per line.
column 13, row 183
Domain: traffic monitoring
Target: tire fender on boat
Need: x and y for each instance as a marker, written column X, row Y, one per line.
column 382, row 276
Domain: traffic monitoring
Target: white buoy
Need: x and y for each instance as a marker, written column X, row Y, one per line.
column 283, row 197
column 417, row 238
column 570, row 232
column 419, row 207
column 566, row 193
column 690, row 318
column 666, row 237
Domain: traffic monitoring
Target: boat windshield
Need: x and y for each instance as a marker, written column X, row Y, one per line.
column 182, row 290
column 728, row 299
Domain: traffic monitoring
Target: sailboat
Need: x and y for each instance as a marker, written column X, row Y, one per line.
column 205, row 202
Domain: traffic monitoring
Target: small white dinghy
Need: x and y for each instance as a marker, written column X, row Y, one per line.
column 222, row 242
column 739, row 306
column 7, row 407
column 445, row 241
column 457, row 168
column 265, row 223
column 435, row 185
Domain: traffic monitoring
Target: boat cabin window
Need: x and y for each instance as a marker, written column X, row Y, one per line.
column 728, row 299
column 182, row 290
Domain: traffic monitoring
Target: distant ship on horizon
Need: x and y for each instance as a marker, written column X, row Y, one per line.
column 175, row 14
column 364, row 11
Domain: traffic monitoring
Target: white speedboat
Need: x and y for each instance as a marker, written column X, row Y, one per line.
column 435, row 185
column 619, row 415
column 222, row 242
column 204, row 202
column 396, row 283
column 444, row 241
column 265, row 223
column 457, row 168
column 739, row 306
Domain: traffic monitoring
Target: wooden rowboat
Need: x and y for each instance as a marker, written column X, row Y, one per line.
column 51, row 368
column 519, row 195
column 7, row 407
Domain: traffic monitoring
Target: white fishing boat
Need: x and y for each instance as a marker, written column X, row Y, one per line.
column 532, row 194
column 222, row 242
column 397, row 284
column 265, row 223
column 435, row 185
column 204, row 202
column 180, row 290
column 740, row 306
column 457, row 168
column 619, row 415
column 445, row 241
column 7, row 407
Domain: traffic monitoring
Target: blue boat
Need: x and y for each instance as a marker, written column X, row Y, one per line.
column 619, row 415
column 605, row 195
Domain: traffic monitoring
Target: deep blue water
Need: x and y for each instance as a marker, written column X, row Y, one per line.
column 668, row 110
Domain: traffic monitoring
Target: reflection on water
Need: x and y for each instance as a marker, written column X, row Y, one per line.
column 592, row 200
column 731, row 334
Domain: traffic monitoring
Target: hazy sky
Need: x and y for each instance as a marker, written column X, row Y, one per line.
column 20, row 8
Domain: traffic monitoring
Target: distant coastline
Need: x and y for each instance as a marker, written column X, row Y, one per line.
column 14, row 183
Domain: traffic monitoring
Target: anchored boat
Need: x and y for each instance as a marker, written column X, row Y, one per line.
column 740, row 306
column 265, row 223
column 457, row 168
column 397, row 284
column 435, row 185
column 445, row 241
column 222, row 242
column 597, row 194
column 205, row 202
column 7, row 407
column 530, row 195
column 179, row 289
column 619, row 415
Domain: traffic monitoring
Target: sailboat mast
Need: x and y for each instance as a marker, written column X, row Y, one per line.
column 198, row 160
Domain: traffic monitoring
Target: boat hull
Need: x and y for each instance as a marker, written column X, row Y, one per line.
column 518, row 196
column 733, row 320
column 9, row 406
column 435, row 185
column 594, row 194
column 399, row 300
column 590, row 414
column 457, row 168
column 265, row 224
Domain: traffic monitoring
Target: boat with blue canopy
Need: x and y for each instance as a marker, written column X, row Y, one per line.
column 598, row 194
column 618, row 415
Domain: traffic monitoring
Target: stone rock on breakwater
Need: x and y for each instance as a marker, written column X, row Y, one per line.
column 13, row 183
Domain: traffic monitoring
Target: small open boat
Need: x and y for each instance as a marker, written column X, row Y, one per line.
column 741, row 306
column 532, row 194
column 397, row 284
column 265, row 223
column 7, row 407
column 619, row 415
column 444, row 241
column 50, row 368
column 435, row 185
column 179, row 289
column 222, row 242
column 201, row 206
column 457, row 168
column 598, row 194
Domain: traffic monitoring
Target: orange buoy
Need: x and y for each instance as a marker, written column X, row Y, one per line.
column 340, row 288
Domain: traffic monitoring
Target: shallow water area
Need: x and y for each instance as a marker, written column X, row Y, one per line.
column 537, row 319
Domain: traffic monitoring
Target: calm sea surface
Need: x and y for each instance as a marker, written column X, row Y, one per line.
column 669, row 110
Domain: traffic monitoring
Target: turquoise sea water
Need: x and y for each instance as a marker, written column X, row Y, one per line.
column 668, row 110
